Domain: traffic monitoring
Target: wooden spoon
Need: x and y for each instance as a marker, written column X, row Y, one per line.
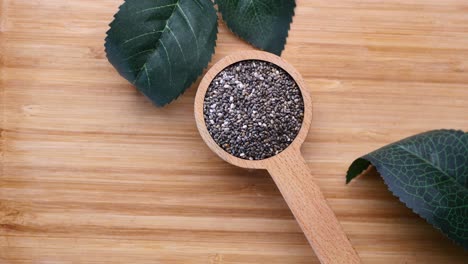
column 289, row 170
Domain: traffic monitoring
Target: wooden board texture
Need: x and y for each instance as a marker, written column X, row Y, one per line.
column 91, row 172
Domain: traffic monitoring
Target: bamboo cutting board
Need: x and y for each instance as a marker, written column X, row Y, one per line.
column 91, row 172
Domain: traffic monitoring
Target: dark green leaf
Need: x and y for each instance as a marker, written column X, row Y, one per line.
column 162, row 46
column 263, row 23
column 429, row 173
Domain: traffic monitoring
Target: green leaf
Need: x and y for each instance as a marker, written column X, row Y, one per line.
column 429, row 173
column 162, row 46
column 263, row 23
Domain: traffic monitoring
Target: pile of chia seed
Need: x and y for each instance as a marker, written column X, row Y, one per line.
column 253, row 109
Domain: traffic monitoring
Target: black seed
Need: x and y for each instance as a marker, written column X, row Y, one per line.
column 253, row 109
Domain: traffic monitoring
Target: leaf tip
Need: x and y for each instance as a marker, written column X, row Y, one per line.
column 356, row 169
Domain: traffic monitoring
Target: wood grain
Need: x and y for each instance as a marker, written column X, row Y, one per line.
column 91, row 172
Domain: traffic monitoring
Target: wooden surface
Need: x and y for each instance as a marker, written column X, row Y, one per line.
column 288, row 169
column 91, row 172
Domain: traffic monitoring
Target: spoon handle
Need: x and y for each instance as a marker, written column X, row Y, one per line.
column 318, row 222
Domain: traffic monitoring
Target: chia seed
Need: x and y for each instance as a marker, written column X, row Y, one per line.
column 253, row 109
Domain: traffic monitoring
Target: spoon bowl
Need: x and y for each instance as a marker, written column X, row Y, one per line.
column 294, row 147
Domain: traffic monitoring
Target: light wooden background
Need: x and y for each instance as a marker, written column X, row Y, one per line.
column 91, row 172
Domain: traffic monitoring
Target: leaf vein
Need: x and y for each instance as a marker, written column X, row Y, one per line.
column 178, row 43
column 142, row 35
column 155, row 8
column 147, row 77
column 169, row 61
column 426, row 161
column 191, row 28
column 257, row 17
column 138, row 53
